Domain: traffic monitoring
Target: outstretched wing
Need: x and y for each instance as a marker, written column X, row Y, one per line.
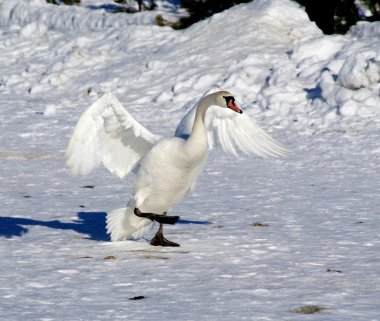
column 234, row 132
column 106, row 133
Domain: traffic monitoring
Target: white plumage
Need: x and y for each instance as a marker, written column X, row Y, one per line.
column 167, row 167
column 107, row 134
column 233, row 132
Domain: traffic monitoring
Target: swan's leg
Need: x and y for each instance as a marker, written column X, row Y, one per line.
column 162, row 219
column 160, row 240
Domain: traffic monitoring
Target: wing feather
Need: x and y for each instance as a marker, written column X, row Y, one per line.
column 107, row 134
column 234, row 132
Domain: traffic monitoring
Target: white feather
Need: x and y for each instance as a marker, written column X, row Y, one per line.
column 122, row 224
column 233, row 132
column 106, row 133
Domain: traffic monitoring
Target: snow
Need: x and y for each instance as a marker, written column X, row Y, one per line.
column 316, row 237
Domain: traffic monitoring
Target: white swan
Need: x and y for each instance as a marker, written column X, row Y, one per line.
column 167, row 168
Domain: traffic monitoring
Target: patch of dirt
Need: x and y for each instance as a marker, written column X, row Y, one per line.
column 309, row 309
column 334, row 271
column 110, row 257
column 139, row 297
column 259, row 224
column 155, row 257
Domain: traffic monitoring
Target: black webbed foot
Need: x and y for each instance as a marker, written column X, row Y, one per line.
column 162, row 219
column 160, row 240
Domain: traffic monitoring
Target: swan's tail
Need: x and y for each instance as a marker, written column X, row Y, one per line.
column 123, row 224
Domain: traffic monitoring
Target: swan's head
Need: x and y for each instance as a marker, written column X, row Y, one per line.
column 226, row 100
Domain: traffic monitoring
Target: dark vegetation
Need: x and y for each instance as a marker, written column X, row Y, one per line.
column 336, row 16
column 331, row 16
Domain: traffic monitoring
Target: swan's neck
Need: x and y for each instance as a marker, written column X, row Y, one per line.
column 199, row 120
column 198, row 137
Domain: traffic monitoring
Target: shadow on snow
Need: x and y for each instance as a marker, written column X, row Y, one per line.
column 194, row 222
column 89, row 223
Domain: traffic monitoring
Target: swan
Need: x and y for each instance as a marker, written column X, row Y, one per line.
column 166, row 168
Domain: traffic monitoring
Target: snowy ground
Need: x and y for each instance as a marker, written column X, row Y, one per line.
column 304, row 230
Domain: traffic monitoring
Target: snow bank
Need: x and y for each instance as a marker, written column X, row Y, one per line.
column 267, row 52
column 360, row 70
column 364, row 29
column 274, row 21
column 344, row 73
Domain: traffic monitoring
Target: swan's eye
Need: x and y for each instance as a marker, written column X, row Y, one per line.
column 229, row 100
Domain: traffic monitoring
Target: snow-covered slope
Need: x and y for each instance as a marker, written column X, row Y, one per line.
column 267, row 51
column 259, row 237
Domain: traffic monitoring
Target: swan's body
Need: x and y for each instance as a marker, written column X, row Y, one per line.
column 167, row 167
column 166, row 175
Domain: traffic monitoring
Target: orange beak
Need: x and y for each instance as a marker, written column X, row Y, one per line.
column 231, row 105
